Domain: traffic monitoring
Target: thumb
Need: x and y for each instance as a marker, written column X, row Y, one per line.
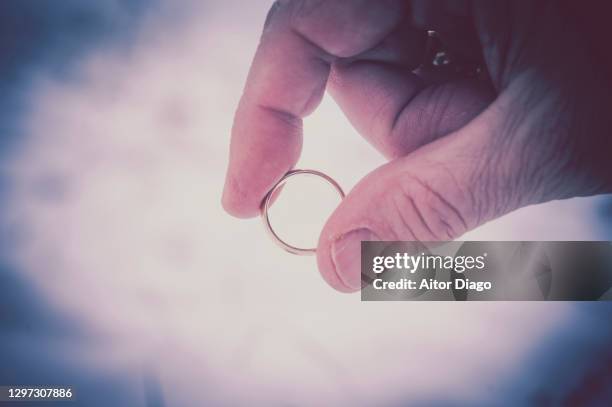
column 412, row 198
column 437, row 193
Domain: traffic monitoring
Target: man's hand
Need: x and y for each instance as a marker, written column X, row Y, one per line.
column 463, row 150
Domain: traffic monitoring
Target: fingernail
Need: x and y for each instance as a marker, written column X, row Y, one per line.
column 346, row 255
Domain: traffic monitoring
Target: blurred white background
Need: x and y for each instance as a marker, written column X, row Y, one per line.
column 115, row 192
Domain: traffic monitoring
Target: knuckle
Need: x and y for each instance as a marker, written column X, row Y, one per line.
column 305, row 9
column 287, row 11
column 315, row 21
column 273, row 10
column 421, row 211
column 345, row 28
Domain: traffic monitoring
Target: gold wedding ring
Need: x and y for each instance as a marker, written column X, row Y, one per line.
column 268, row 201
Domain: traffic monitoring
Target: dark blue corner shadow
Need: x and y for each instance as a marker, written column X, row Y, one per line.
column 35, row 350
column 572, row 365
column 48, row 37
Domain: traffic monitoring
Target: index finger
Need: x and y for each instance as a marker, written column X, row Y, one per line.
column 287, row 81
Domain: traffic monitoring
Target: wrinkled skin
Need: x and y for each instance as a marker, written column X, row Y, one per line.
column 534, row 127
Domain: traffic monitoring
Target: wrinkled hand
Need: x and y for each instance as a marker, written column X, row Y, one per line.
column 462, row 150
